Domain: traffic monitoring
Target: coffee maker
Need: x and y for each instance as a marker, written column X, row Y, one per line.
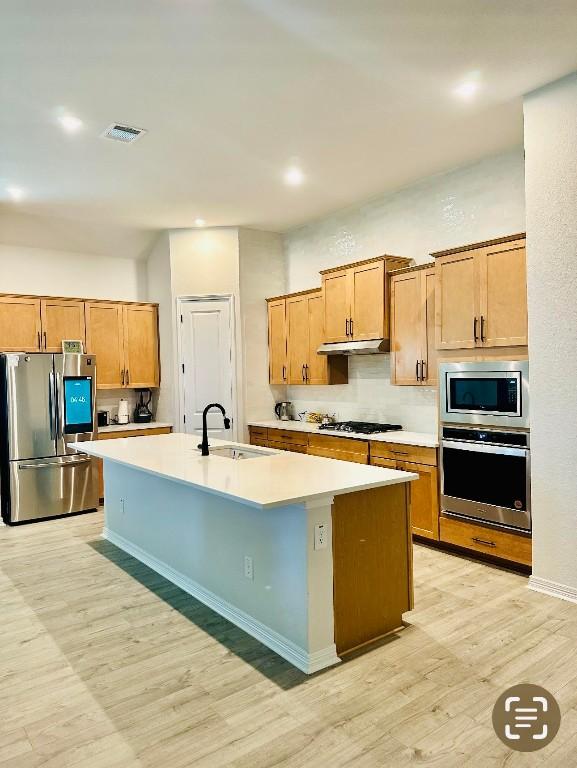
column 142, row 413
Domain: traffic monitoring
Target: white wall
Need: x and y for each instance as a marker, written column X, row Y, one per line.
column 60, row 273
column 247, row 264
column 478, row 202
column 551, row 190
column 160, row 291
column 262, row 274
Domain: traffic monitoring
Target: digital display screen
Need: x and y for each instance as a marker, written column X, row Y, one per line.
column 78, row 404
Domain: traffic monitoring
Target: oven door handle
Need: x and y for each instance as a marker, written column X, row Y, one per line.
column 502, row 450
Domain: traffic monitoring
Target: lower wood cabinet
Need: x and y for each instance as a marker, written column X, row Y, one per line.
column 144, row 432
column 426, row 519
column 424, row 491
column 341, row 448
column 490, row 541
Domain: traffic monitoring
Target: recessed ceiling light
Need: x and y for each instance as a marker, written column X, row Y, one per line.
column 70, row 123
column 467, row 89
column 293, row 176
column 16, row 193
column 199, row 222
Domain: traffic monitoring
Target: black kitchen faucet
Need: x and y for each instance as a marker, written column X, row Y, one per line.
column 204, row 445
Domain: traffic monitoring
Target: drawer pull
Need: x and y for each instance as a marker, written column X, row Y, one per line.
column 484, row 542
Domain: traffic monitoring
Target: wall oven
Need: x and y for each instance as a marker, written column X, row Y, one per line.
column 494, row 394
column 486, row 475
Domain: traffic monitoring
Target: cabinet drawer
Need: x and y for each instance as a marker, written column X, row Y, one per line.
column 134, row 433
column 258, row 441
column 293, row 447
column 346, row 444
column 490, row 541
column 260, row 433
column 415, row 453
column 331, row 453
column 288, row 436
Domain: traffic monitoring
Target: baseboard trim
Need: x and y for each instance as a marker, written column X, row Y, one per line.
column 308, row 663
column 553, row 589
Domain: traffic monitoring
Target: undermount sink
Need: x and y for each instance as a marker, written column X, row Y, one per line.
column 237, row 452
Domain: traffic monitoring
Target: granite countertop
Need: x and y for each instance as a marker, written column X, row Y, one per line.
column 275, row 478
column 133, row 426
column 423, row 439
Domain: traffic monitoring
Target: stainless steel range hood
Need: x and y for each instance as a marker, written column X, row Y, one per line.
column 373, row 347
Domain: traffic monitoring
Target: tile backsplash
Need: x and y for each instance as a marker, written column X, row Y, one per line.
column 107, row 399
column 370, row 396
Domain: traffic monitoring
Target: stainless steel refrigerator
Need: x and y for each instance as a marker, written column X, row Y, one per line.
column 47, row 402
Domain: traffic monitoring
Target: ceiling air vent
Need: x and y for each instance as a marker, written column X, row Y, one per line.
column 124, row 133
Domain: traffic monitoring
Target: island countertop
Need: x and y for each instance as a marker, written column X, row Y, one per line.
column 277, row 478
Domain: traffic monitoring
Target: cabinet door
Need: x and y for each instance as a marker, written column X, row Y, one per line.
column 277, row 342
column 141, row 346
column 317, row 371
column 456, row 301
column 406, row 328
column 61, row 319
column 424, row 499
column 430, row 372
column 105, row 339
column 368, row 301
column 19, row 324
column 337, row 306
column 503, row 281
column 297, row 319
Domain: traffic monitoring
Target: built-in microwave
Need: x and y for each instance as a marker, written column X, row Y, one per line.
column 485, row 393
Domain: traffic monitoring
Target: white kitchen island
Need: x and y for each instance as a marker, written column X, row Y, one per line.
column 311, row 556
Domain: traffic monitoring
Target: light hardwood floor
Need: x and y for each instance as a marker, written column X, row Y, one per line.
column 103, row 663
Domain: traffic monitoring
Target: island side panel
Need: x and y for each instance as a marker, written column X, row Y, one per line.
column 199, row 541
column 372, row 562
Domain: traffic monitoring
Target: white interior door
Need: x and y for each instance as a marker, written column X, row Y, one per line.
column 206, row 370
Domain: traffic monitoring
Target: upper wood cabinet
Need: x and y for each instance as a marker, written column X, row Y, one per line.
column 124, row 339
column 277, row 342
column 355, row 299
column 140, row 323
column 296, row 331
column 61, row 319
column 34, row 324
column 20, row 325
column 413, row 353
column 481, row 295
column 105, row 339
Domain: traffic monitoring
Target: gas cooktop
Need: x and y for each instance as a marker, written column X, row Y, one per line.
column 363, row 427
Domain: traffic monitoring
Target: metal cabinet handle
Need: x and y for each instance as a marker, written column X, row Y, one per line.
column 351, row 325
column 424, row 370
column 417, row 371
column 284, row 373
column 39, row 341
column 306, row 372
column 483, row 329
column 347, row 327
column 127, row 377
column 122, row 377
column 303, row 372
column 45, row 344
column 483, row 541
column 475, row 330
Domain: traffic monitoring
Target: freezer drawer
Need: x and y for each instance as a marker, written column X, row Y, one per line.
column 49, row 487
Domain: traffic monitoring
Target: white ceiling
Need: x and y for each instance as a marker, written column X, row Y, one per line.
column 358, row 92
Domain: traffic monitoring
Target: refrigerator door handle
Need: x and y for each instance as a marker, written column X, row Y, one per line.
column 52, row 405
column 55, row 464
